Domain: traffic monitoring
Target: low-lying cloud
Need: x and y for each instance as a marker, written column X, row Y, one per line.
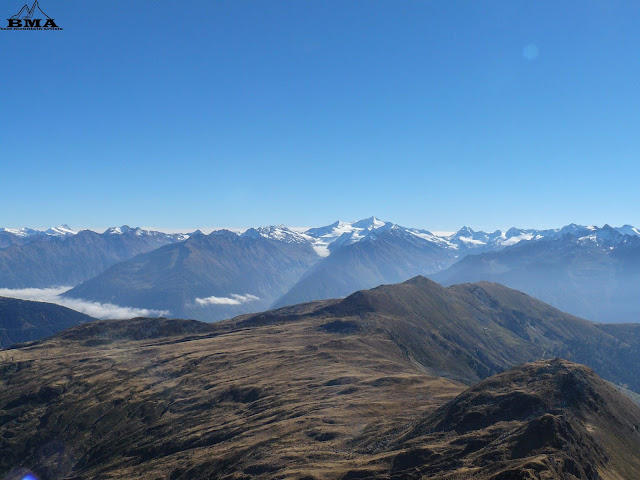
column 234, row 299
column 94, row 309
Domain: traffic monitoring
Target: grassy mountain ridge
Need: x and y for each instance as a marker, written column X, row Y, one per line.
column 369, row 386
column 470, row 331
column 24, row 321
column 248, row 402
column 547, row 419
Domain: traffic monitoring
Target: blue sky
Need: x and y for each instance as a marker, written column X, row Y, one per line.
column 433, row 114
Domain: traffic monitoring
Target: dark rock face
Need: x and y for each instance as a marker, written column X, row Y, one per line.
column 548, row 419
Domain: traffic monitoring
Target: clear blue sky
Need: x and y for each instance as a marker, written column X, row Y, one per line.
column 234, row 113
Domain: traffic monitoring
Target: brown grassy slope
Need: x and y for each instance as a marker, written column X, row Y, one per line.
column 335, row 389
column 292, row 401
column 469, row 332
column 253, row 403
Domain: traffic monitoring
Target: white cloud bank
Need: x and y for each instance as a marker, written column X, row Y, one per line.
column 234, row 299
column 94, row 309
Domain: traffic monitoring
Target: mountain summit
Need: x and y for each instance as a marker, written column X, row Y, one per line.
column 549, row 419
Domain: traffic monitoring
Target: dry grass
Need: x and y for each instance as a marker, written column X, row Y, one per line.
column 290, row 400
column 336, row 389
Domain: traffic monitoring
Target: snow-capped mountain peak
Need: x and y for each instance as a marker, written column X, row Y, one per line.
column 331, row 237
column 606, row 237
column 628, row 230
column 465, row 232
column 61, row 231
column 116, row 230
column 576, row 230
column 370, row 223
column 468, row 236
column 279, row 233
column 514, row 232
column 466, row 239
column 126, row 229
column 326, row 239
column 140, row 232
column 20, row 232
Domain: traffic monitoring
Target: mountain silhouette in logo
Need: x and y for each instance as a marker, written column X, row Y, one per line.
column 34, row 12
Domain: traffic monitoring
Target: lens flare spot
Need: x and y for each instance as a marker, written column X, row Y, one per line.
column 530, row 52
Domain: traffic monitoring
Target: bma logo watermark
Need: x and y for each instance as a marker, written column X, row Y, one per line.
column 31, row 19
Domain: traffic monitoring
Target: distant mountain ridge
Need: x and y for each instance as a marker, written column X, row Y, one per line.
column 24, row 235
column 208, row 277
column 590, row 272
column 60, row 231
column 371, row 252
column 335, row 260
column 20, row 236
column 330, row 237
column 390, row 254
column 60, row 256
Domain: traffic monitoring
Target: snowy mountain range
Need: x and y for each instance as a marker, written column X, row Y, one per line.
column 60, row 256
column 588, row 271
column 331, row 237
column 23, row 235
column 327, row 239
column 227, row 273
column 61, row 231
column 20, row 236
